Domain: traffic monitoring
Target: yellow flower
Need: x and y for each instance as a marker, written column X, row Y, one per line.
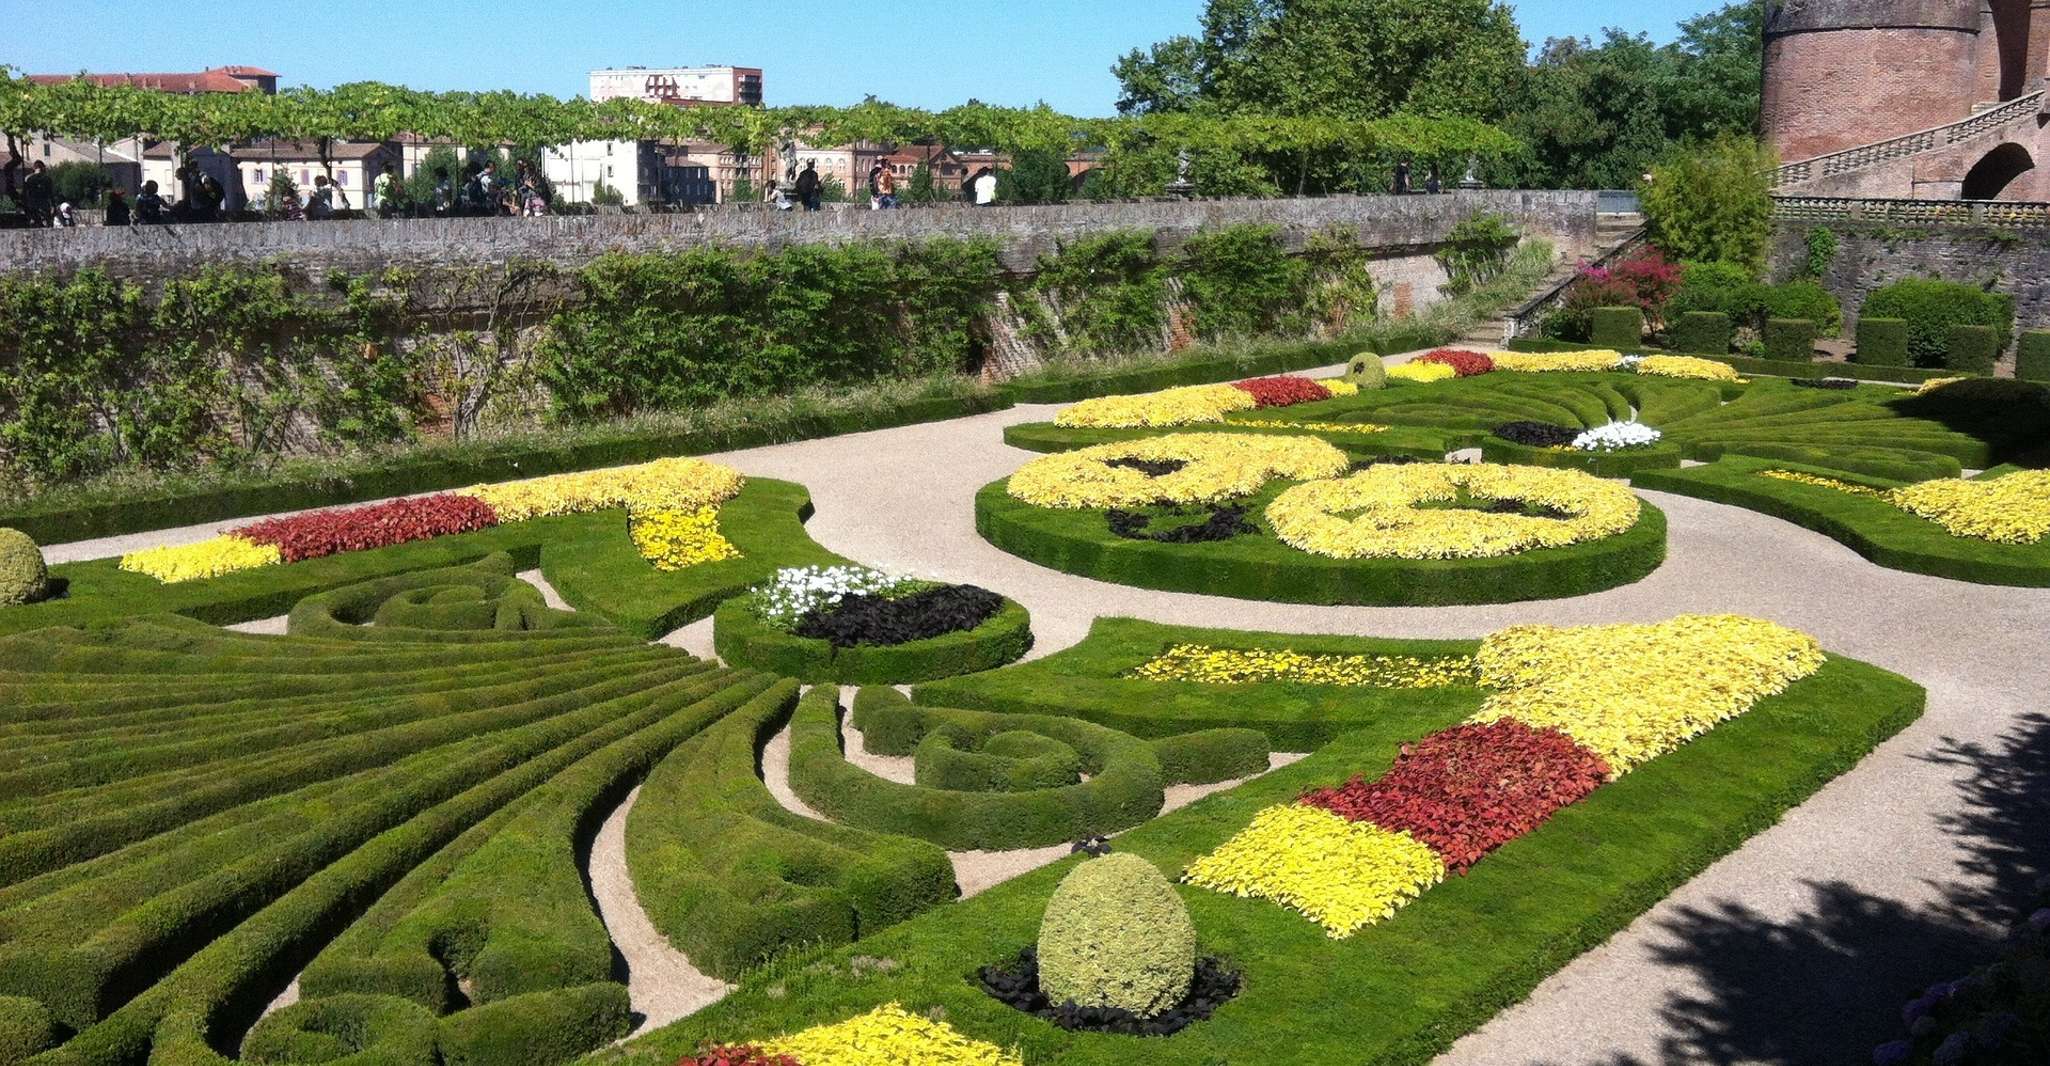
column 1686, row 366
column 1933, row 384
column 1524, row 363
column 889, row 1036
column 1422, row 372
column 1168, row 407
column 1310, row 427
column 680, row 484
column 208, row 558
column 1339, row 387
column 2012, row 509
column 1341, row 874
column 1207, row 665
column 674, row 540
column 1218, row 466
column 1631, row 693
column 1386, row 522
column 1818, row 481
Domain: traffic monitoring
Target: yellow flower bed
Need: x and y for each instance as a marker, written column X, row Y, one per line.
column 1207, row 665
column 889, row 1036
column 1339, row 387
column 1686, row 366
column 1422, row 372
column 2012, row 509
column 1341, row 874
column 1388, row 524
column 675, row 540
column 1168, row 407
column 1220, row 466
column 1630, row 693
column 1526, row 363
column 1933, row 384
column 662, row 485
column 208, row 558
column 1821, row 482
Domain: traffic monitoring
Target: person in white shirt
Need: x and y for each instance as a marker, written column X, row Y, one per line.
column 985, row 185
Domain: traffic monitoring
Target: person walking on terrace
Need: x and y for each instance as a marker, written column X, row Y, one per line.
column 808, row 186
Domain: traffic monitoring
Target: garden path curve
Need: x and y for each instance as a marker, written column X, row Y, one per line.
column 1797, row 947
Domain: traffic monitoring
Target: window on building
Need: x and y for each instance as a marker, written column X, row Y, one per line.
column 256, row 176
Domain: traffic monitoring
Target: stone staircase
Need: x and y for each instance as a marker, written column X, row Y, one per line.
column 1990, row 123
column 1615, row 234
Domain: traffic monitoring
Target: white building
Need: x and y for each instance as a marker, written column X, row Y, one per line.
column 708, row 85
column 577, row 168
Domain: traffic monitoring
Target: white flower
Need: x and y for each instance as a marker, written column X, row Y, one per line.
column 1629, row 362
column 1615, row 436
column 795, row 591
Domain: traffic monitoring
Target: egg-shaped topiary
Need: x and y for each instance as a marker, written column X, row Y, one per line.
column 1116, row 935
column 23, row 578
column 1366, row 371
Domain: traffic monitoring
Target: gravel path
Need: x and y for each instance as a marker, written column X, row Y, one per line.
column 661, row 983
column 1798, row 947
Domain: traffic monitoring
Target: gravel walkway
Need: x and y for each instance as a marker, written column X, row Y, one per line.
column 1797, row 948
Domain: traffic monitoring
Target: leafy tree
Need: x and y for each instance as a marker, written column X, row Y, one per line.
column 1035, row 178
column 1720, row 57
column 440, row 165
column 281, row 197
column 80, row 184
column 921, row 189
column 605, row 195
column 1711, row 202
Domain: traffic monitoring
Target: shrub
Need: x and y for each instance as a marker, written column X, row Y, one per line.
column 1712, row 202
column 314, row 534
column 23, row 577
column 2032, row 357
column 25, row 1029
column 1616, row 327
column 1464, row 363
column 383, row 1029
column 1931, row 306
column 1702, row 331
column 1732, row 289
column 1116, row 935
column 1282, row 391
column 1971, row 349
column 1367, row 371
column 1789, row 340
column 1805, row 299
column 1882, row 341
column 1646, row 281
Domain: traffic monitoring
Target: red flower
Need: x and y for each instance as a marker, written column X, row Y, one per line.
column 1466, row 364
column 321, row 533
column 736, row 1055
column 1470, row 789
column 1282, row 391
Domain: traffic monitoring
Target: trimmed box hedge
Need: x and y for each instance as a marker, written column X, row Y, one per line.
column 1615, row 327
column 1620, row 463
column 1882, row 341
column 2032, row 356
column 1705, row 332
column 1971, row 349
column 1789, row 340
column 742, row 639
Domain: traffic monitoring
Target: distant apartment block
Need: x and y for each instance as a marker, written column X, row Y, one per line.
column 679, row 85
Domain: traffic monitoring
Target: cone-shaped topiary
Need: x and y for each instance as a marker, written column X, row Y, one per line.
column 23, row 577
column 1366, row 371
column 1116, row 935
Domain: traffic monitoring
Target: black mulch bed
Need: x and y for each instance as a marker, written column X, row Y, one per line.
column 1387, row 460
column 866, row 619
column 1824, row 383
column 1150, row 467
column 1536, row 434
column 1017, row 985
column 1220, row 522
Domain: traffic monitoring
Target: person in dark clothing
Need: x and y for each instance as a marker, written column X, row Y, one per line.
column 1432, row 184
column 1401, row 186
column 207, row 197
column 117, row 208
column 808, row 187
column 38, row 194
column 476, row 194
column 149, row 205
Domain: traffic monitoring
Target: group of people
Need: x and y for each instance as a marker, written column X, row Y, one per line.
column 979, row 189
column 1401, row 187
column 483, row 190
column 37, row 194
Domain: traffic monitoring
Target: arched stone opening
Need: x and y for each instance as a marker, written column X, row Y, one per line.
column 1996, row 170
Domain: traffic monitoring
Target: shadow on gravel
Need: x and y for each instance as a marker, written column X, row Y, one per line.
column 1827, row 986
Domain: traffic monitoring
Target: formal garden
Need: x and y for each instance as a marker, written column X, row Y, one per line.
column 433, row 779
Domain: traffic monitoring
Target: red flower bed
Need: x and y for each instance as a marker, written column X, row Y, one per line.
column 1282, row 391
column 1470, row 789
column 320, row 533
column 1464, row 363
column 736, row 1055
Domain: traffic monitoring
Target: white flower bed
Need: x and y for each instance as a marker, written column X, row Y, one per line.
column 1616, row 436
column 794, row 591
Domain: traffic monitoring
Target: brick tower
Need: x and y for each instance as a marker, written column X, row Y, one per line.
column 1842, row 73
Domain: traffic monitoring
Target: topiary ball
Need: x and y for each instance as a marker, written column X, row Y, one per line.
column 1366, row 371
column 1116, row 935
column 23, row 578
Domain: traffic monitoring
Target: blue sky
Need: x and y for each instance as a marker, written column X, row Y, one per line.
column 925, row 53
